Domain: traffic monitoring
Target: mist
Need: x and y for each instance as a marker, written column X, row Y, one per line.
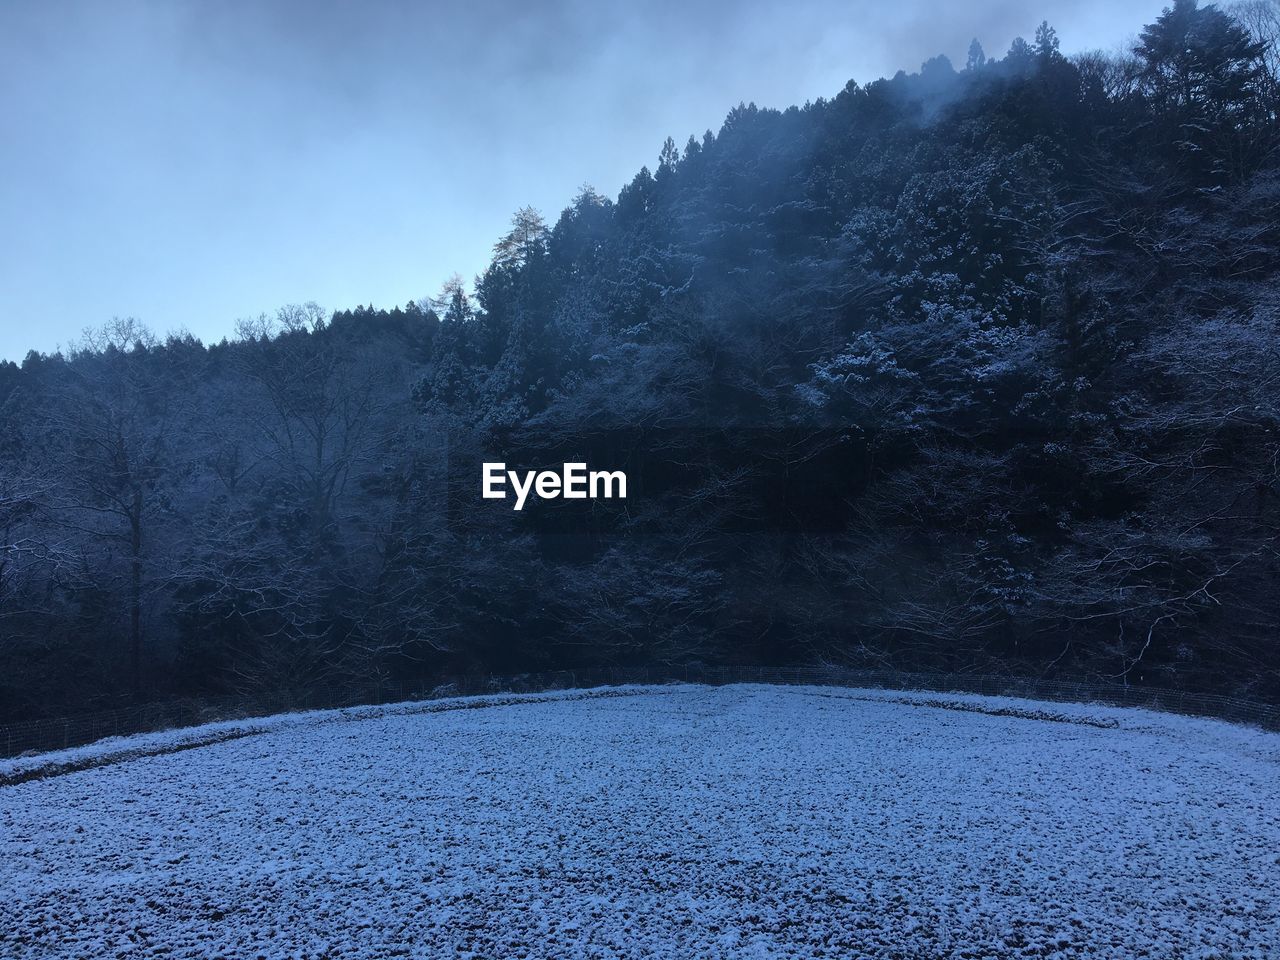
column 192, row 163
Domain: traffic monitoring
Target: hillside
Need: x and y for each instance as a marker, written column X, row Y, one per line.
column 963, row 370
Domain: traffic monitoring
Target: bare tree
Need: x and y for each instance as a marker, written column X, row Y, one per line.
column 110, row 430
column 1262, row 19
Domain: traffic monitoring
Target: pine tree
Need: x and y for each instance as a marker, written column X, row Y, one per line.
column 977, row 59
column 525, row 241
column 1046, row 45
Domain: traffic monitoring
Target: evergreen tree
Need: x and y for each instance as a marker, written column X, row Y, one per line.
column 976, row 59
column 1046, row 43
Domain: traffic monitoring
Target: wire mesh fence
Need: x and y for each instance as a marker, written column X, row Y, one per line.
column 41, row 735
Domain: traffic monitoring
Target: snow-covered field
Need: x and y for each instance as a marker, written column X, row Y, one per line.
column 741, row 821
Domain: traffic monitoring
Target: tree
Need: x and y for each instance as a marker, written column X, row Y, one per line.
column 292, row 540
column 668, row 160
column 1262, row 19
column 113, row 424
column 1106, row 77
column 524, row 242
column 1046, row 42
column 1020, row 54
column 976, row 59
column 1204, row 74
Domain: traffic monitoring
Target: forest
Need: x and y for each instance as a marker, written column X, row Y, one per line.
column 967, row 370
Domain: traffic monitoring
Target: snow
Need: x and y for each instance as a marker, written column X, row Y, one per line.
column 741, row 821
column 116, row 749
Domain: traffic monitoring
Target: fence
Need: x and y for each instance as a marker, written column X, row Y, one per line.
column 59, row 733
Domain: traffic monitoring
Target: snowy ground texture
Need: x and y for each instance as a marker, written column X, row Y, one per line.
column 743, row 821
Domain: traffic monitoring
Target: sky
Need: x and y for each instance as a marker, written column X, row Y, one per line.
column 191, row 163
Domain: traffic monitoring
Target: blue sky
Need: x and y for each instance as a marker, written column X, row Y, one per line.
column 190, row 163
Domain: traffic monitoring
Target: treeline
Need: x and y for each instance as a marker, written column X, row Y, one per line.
column 1019, row 320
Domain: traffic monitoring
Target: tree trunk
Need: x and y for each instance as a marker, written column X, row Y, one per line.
column 135, row 594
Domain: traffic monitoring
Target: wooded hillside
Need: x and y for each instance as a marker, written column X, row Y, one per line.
column 1017, row 326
